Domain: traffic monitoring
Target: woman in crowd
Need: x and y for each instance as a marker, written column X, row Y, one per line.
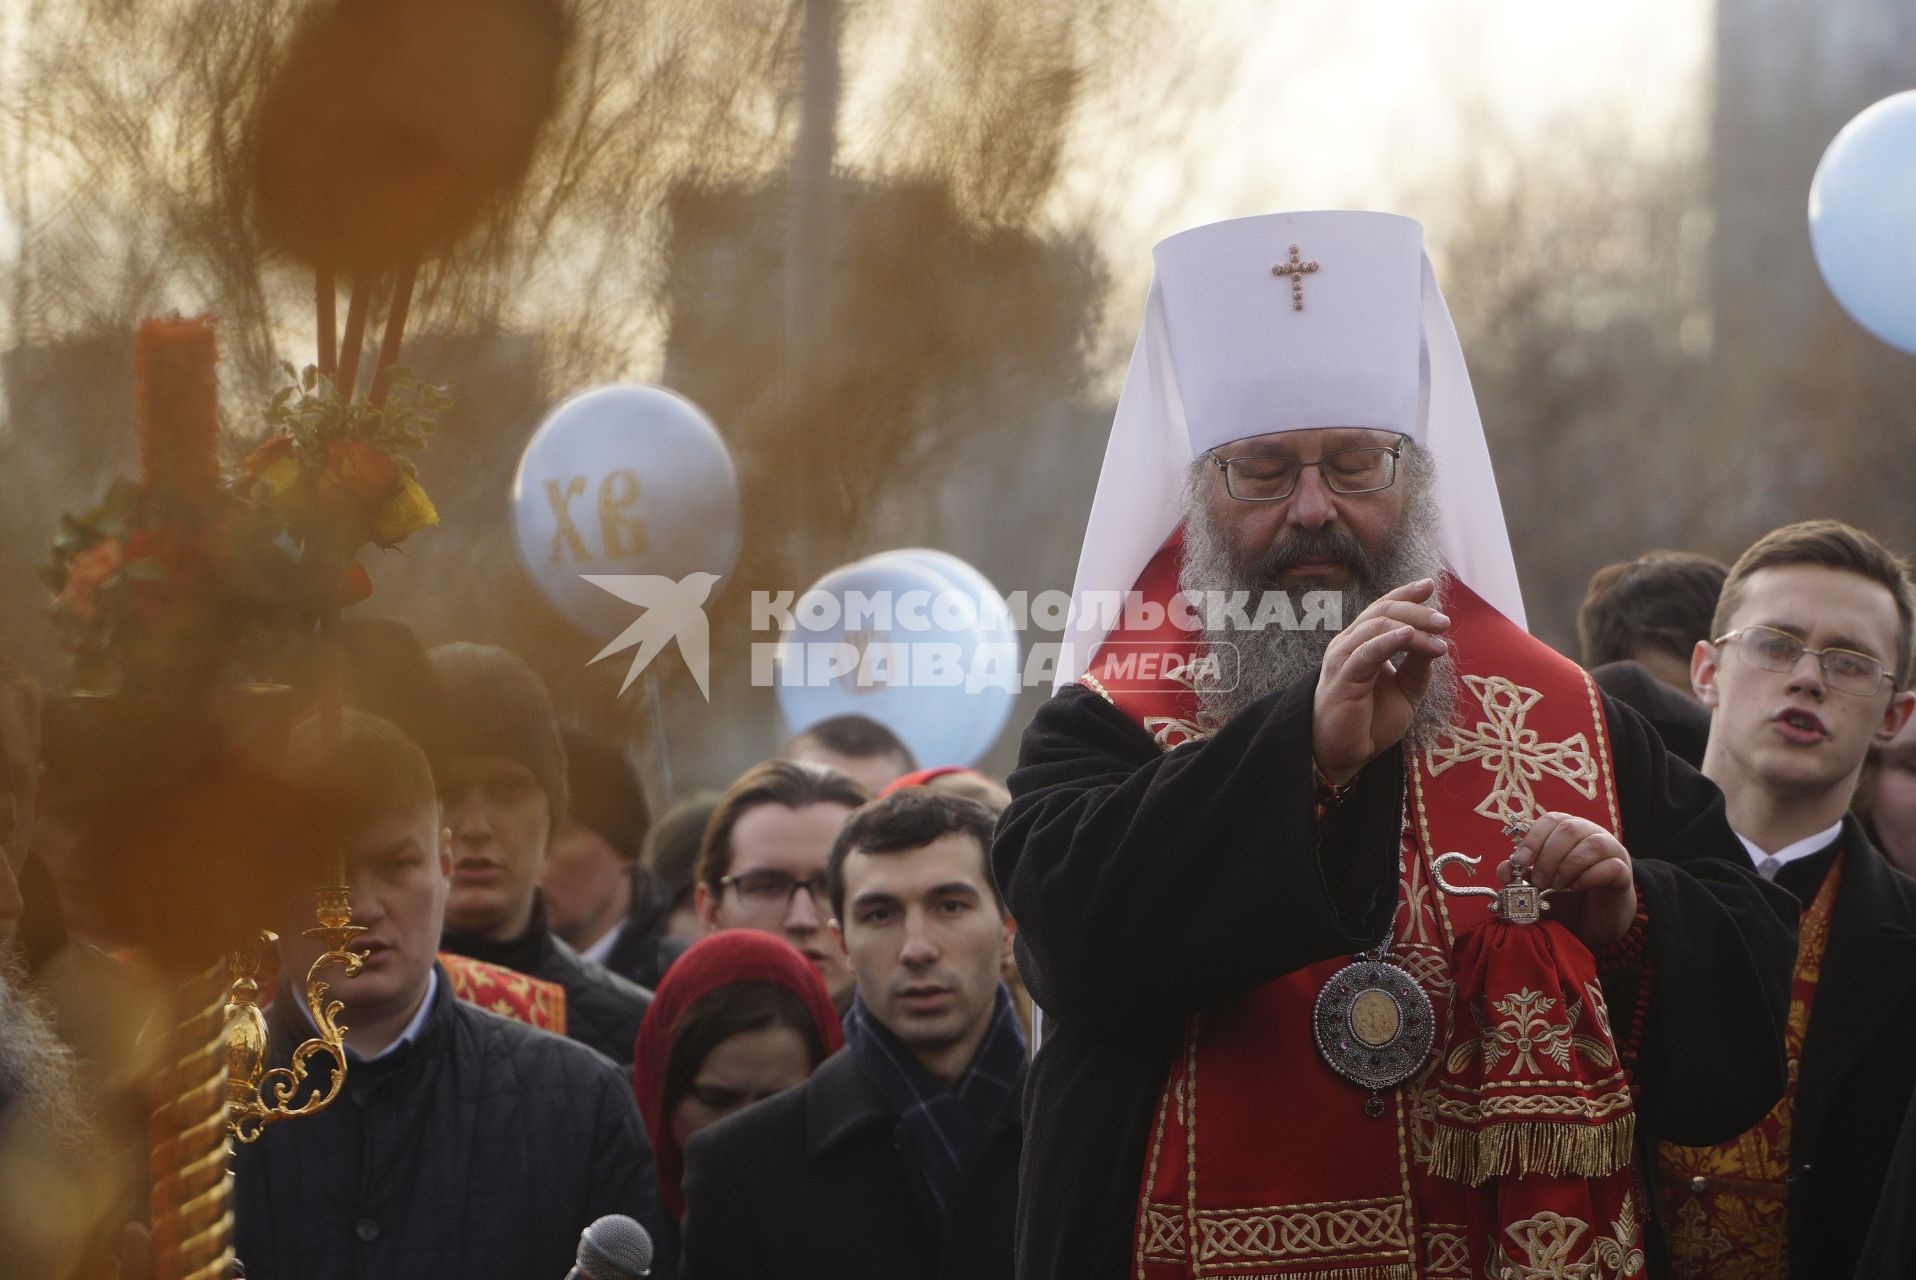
column 740, row 1016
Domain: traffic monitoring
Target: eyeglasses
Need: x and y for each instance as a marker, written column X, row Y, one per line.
column 769, row 891
column 1773, row 650
column 1269, row 477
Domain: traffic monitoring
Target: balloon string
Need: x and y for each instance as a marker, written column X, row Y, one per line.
column 658, row 731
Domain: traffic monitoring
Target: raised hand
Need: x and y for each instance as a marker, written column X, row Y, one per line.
column 1366, row 696
column 1566, row 852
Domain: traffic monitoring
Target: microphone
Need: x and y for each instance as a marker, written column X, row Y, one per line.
column 613, row 1248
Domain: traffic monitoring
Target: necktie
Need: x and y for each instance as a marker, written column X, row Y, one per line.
column 1768, row 868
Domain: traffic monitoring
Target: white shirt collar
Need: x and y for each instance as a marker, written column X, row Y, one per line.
column 1791, row 852
column 599, row 950
column 413, row 1028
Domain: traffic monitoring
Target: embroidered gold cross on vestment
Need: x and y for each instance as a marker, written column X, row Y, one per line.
column 1511, row 753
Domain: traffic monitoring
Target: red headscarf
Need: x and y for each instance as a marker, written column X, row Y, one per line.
column 920, row 777
column 723, row 958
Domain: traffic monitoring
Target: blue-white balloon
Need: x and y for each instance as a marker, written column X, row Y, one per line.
column 626, row 479
column 890, row 638
column 998, row 638
column 1863, row 219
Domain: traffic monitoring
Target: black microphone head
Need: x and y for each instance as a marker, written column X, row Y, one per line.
column 614, row 1248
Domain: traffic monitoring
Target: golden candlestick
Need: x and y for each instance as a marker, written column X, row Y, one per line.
column 255, row 1095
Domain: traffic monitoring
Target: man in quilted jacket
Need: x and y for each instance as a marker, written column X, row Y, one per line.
column 461, row 1143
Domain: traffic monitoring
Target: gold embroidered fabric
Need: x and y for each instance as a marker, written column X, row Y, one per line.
column 1726, row 1208
column 1549, row 1246
column 1513, row 754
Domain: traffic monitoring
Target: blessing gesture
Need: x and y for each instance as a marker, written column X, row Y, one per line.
column 1375, row 674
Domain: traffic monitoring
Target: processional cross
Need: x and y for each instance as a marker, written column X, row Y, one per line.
column 1296, row 269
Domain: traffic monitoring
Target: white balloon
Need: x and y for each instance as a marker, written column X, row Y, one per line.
column 626, row 479
column 1862, row 214
column 998, row 637
column 898, row 663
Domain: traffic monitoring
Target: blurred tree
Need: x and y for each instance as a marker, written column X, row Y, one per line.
column 839, row 220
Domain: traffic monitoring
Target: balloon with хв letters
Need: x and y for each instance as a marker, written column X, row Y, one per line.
column 1862, row 214
column 626, row 479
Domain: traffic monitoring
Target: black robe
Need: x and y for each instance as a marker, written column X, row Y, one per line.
column 1148, row 885
column 1859, row 1060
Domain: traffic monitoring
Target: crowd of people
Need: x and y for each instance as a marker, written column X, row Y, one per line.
column 788, row 1027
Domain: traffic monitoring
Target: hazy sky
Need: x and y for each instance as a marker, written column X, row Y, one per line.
column 1358, row 103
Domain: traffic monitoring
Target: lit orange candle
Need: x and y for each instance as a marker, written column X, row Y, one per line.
column 176, row 398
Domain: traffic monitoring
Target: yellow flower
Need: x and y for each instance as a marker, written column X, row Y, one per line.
column 407, row 511
column 285, row 481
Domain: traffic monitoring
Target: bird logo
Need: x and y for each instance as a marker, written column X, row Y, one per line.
column 674, row 610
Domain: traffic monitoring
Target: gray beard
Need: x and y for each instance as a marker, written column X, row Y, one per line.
column 39, row 1076
column 1274, row 658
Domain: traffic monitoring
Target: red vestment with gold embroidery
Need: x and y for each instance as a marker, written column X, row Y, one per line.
column 1262, row 1162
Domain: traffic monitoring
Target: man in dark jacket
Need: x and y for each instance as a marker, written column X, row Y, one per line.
column 599, row 898
column 461, row 1144
column 502, row 782
column 1808, row 669
column 899, row 1157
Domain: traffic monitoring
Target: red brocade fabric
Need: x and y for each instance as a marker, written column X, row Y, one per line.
column 506, row 992
column 1262, row 1163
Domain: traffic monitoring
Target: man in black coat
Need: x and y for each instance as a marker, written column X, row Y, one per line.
column 1679, row 719
column 898, row 1159
column 598, row 897
column 1808, row 670
column 461, row 1143
column 502, row 782
column 1234, row 822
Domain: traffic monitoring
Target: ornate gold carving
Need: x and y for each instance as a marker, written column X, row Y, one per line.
column 1512, row 753
column 262, row 1097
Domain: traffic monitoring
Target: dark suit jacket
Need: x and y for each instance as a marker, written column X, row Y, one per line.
column 817, row 1182
column 1859, row 1063
column 1682, row 722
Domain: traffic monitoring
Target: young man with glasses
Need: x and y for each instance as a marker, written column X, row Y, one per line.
column 1808, row 670
column 762, row 862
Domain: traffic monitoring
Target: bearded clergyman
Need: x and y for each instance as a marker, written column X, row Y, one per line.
column 1279, row 1037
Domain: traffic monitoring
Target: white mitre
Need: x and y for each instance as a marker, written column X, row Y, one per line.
column 1286, row 322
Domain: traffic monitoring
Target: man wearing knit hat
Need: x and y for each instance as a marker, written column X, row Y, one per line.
column 597, row 895
column 502, row 782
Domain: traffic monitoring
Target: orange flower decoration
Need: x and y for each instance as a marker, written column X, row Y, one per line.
column 89, row 570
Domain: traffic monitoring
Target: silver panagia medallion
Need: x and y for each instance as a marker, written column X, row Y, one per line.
column 1374, row 1026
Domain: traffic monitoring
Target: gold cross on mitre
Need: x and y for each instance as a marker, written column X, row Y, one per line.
column 1512, row 753
column 1295, row 269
